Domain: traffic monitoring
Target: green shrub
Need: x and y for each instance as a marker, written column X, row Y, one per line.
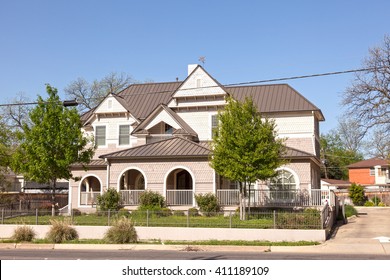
column 110, row 200
column 24, row 233
column 193, row 212
column 178, row 213
column 123, row 231
column 369, row 203
column 350, row 210
column 61, row 231
column 208, row 203
column 376, row 200
column 150, row 200
column 356, row 193
column 76, row 212
column 381, row 204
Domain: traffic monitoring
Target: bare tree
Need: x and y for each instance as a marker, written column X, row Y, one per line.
column 351, row 134
column 17, row 113
column 89, row 95
column 368, row 98
column 380, row 144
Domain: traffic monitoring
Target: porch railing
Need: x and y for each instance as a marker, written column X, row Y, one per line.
column 130, row 197
column 278, row 198
column 180, row 197
column 88, row 198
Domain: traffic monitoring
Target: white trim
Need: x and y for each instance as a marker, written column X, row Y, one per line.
column 211, row 124
column 296, row 177
column 131, row 168
column 79, row 189
column 94, row 135
column 179, row 167
column 118, row 133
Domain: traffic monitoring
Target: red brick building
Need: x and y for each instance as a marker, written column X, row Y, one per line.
column 371, row 172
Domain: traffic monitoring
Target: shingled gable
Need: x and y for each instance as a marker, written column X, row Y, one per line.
column 175, row 147
column 184, row 128
column 189, row 86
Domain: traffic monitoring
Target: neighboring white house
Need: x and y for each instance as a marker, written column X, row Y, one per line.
column 155, row 136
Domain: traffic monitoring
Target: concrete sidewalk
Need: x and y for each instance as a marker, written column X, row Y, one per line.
column 372, row 247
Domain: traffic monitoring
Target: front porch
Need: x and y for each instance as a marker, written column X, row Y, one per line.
column 278, row 198
column 257, row 198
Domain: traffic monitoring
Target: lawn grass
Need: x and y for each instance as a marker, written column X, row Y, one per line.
column 264, row 220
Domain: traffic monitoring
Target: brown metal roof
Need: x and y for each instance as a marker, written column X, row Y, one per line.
column 95, row 163
column 295, row 153
column 177, row 147
column 274, row 98
column 174, row 147
column 369, row 163
column 142, row 99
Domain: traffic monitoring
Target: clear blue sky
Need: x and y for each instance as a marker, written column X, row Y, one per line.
column 46, row 41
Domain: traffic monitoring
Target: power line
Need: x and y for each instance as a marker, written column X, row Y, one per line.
column 240, row 84
column 305, row 76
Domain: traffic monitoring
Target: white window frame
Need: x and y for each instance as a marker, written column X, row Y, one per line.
column 96, row 135
column 123, row 135
column 212, row 116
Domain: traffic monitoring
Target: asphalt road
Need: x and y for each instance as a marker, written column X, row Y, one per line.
column 21, row 254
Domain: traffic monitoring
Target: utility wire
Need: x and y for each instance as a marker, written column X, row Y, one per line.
column 242, row 83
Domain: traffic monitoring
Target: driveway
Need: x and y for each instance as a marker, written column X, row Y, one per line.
column 368, row 233
column 372, row 222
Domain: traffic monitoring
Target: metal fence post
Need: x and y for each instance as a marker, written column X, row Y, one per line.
column 2, row 216
column 188, row 219
column 147, row 218
column 230, row 218
column 108, row 217
column 36, row 216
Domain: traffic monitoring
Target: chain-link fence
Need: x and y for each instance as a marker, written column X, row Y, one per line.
column 276, row 219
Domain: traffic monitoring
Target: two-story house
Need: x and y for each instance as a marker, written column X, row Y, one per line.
column 372, row 172
column 155, row 136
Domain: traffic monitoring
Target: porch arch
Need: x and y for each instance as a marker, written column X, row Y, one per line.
column 131, row 184
column 89, row 188
column 179, row 186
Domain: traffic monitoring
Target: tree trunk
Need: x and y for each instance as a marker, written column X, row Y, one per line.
column 242, row 201
column 53, row 198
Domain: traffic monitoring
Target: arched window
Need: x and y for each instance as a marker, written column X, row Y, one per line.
column 284, row 181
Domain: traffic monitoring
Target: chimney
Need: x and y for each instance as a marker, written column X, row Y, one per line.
column 191, row 68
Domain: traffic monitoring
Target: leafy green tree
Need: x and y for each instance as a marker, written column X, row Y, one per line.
column 5, row 153
column 51, row 143
column 356, row 193
column 245, row 147
column 336, row 156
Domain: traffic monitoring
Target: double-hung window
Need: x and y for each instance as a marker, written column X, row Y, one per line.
column 214, row 125
column 124, row 135
column 100, row 136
